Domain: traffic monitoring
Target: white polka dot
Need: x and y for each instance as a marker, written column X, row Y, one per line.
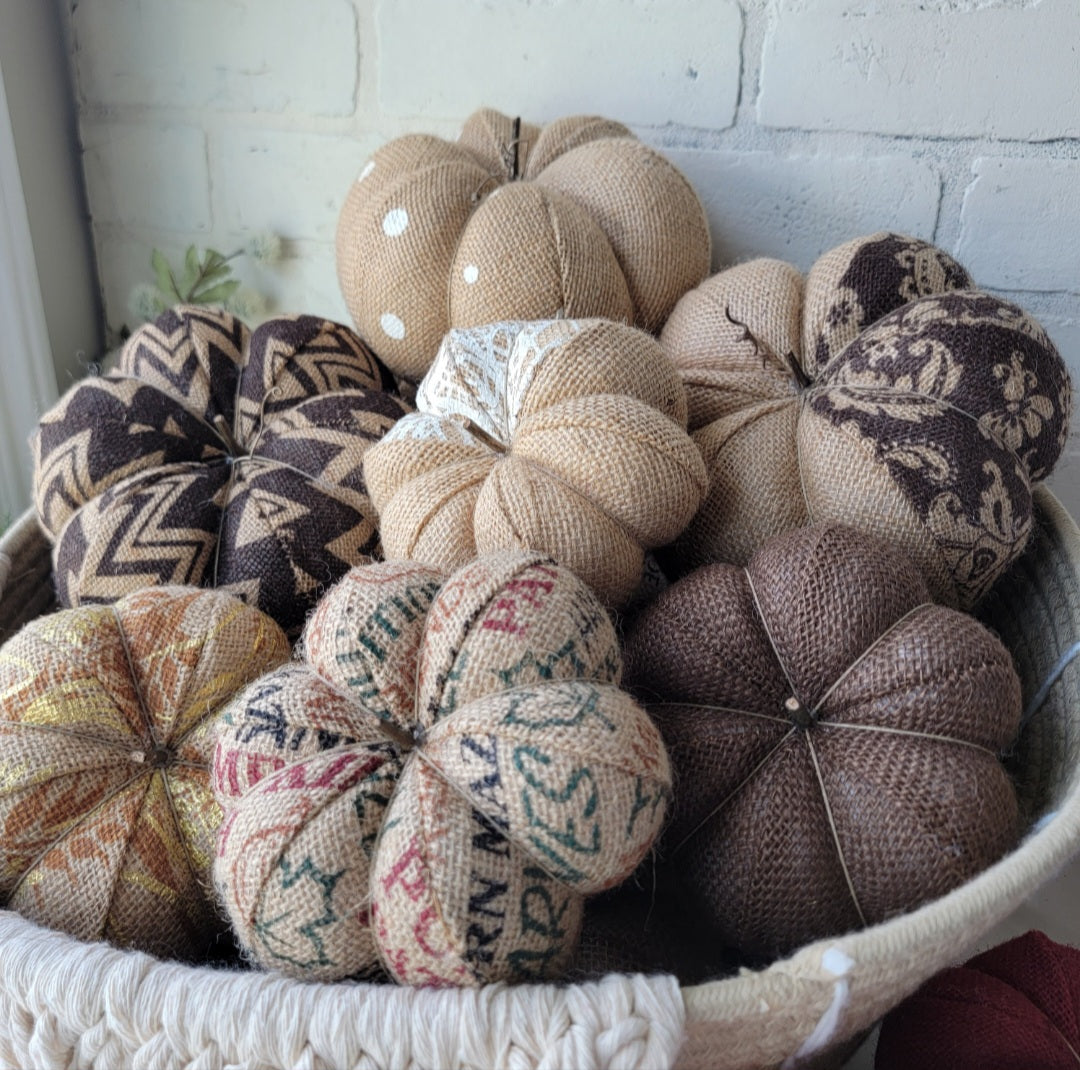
column 394, row 222
column 368, row 168
column 392, row 325
column 471, row 273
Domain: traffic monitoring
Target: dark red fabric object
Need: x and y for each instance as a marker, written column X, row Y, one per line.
column 1015, row 1007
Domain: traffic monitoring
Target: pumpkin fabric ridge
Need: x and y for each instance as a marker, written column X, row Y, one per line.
column 926, row 425
column 562, row 436
column 835, row 735
column 107, row 818
column 577, row 219
column 215, row 456
column 439, row 782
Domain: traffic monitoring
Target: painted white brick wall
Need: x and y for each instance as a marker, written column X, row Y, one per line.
column 801, row 123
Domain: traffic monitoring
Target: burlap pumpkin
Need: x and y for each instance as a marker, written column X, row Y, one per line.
column 215, row 456
column 1014, row 1007
column 835, row 737
column 107, row 817
column 440, row 782
column 514, row 222
column 878, row 393
column 565, row 436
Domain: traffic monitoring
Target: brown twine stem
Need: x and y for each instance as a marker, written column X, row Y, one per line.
column 833, row 830
column 734, row 791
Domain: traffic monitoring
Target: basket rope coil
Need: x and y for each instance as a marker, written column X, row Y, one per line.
column 63, row 1003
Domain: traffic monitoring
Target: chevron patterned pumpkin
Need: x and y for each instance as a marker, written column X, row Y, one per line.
column 215, row 456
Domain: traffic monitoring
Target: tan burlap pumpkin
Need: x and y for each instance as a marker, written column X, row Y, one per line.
column 215, row 456
column 565, row 436
column 438, row 784
column 876, row 393
column 835, row 735
column 107, row 818
column 514, row 222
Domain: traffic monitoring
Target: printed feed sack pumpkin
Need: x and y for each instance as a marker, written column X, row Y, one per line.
column 835, row 738
column 512, row 221
column 215, row 456
column 439, row 782
column 881, row 392
column 565, row 436
column 107, row 817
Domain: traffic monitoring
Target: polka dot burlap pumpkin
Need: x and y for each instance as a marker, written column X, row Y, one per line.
column 576, row 219
column 564, row 436
column 881, row 393
column 437, row 785
column 107, row 817
column 835, row 738
column 215, row 456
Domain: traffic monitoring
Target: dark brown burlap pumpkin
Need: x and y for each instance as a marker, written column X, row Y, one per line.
column 835, row 738
column 216, row 456
column 880, row 392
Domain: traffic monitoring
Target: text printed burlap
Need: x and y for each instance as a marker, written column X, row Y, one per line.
column 562, row 436
column 218, row 457
column 836, row 739
column 877, row 394
column 512, row 221
column 434, row 789
column 107, row 818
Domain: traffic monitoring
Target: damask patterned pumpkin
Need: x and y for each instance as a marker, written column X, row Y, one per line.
column 881, row 393
column 564, row 436
column 439, row 782
column 215, row 456
column 107, row 817
column 576, row 219
column 836, row 739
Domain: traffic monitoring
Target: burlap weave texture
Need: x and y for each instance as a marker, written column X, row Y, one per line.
column 835, row 735
column 107, row 818
column 216, row 456
column 562, row 436
column 577, row 219
column 880, row 394
column 434, row 789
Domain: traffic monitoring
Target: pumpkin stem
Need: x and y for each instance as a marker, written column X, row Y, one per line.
column 799, row 715
column 221, row 426
column 764, row 350
column 514, row 143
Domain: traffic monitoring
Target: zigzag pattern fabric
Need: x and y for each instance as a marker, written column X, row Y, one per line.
column 219, row 457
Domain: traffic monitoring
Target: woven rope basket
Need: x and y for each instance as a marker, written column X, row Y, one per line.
column 66, row 1004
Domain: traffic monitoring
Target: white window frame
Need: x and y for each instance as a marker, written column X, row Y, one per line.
column 27, row 377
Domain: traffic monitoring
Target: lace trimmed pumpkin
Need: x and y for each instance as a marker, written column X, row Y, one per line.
column 512, row 221
column 215, row 456
column 564, row 436
column 880, row 392
column 439, row 782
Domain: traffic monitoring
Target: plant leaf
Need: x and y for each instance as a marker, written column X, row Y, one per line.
column 163, row 273
column 192, row 269
column 217, row 294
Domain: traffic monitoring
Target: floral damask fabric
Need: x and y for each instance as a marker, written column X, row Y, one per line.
column 876, row 392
